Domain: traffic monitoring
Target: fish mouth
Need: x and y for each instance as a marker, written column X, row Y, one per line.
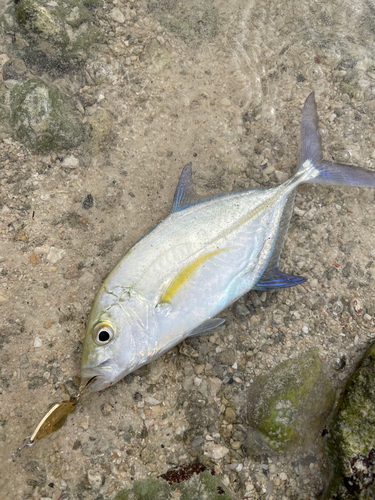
column 99, row 377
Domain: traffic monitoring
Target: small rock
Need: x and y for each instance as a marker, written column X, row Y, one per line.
column 255, row 320
column 37, row 342
column 225, row 101
column 216, row 451
column 241, row 309
column 197, row 442
column 95, row 479
column 71, row 272
column 311, row 213
column 85, row 423
column 55, row 254
column 230, row 415
column 197, row 381
column 34, row 259
column 70, row 162
column 117, row 15
column 88, row 202
column 152, row 401
column 214, row 385
column 227, row 356
column 47, row 324
column 299, row 212
column 280, row 176
column 236, row 445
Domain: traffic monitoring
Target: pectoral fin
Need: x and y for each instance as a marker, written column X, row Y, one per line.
column 209, row 324
column 276, row 279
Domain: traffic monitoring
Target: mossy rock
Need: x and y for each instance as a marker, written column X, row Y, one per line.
column 350, row 443
column 43, row 118
column 289, row 406
column 65, row 30
column 203, row 486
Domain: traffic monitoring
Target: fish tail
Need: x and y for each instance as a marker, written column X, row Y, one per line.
column 311, row 168
column 339, row 174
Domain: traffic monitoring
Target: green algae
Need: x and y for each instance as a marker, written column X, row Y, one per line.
column 43, row 118
column 350, row 443
column 288, row 407
column 65, row 30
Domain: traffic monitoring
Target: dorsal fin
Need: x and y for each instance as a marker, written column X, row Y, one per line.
column 185, row 194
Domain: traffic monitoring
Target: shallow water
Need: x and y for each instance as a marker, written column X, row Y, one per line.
column 220, row 84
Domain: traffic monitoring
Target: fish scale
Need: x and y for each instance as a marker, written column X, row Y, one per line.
column 205, row 255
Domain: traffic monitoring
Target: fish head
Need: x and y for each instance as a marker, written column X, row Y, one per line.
column 109, row 348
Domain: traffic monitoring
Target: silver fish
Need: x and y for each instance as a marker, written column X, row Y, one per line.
column 203, row 257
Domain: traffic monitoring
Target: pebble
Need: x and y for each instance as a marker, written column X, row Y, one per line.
column 225, row 101
column 255, row 320
column 117, row 15
column 311, row 213
column 216, row 451
column 152, row 401
column 85, row 423
column 55, row 254
column 34, row 259
column 214, row 385
column 197, row 442
column 230, row 415
column 37, row 342
column 95, row 479
column 70, row 162
column 305, row 329
column 299, row 212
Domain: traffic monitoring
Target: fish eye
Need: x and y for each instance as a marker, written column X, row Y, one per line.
column 103, row 334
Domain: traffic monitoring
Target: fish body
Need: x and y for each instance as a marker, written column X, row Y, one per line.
column 204, row 256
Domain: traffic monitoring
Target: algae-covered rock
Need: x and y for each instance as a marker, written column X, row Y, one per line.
column 288, row 406
column 43, row 118
column 350, row 443
column 66, row 29
column 194, row 482
column 98, row 128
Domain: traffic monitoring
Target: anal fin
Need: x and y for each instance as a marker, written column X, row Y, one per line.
column 209, row 324
column 276, row 279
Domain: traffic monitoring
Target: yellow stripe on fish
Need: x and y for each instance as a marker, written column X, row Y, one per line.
column 186, row 273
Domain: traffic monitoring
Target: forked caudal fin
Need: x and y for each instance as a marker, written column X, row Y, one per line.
column 311, row 166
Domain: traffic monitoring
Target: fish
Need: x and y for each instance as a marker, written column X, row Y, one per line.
column 206, row 254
